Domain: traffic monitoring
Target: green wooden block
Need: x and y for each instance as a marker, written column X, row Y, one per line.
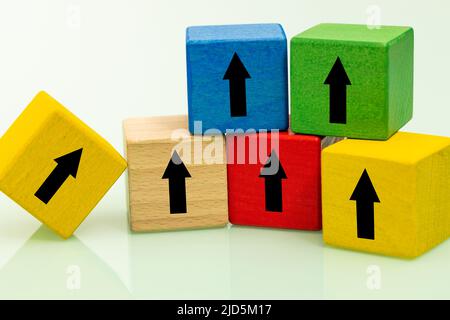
column 352, row 81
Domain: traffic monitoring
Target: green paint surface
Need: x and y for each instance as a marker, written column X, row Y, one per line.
column 379, row 63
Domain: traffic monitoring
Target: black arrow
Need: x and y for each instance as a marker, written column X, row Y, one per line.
column 236, row 74
column 177, row 173
column 67, row 166
column 273, row 183
column 338, row 81
column 365, row 197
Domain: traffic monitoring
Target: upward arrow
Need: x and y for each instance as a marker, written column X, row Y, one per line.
column 365, row 197
column 273, row 183
column 236, row 74
column 177, row 173
column 338, row 81
column 67, row 166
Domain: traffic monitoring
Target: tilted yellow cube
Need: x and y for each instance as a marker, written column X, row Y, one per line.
column 55, row 166
column 388, row 197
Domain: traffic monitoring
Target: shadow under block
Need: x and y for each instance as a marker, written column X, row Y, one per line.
column 55, row 166
column 387, row 197
column 352, row 81
column 175, row 180
column 275, row 182
column 237, row 77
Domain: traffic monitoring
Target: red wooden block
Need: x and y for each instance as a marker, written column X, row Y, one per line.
column 288, row 196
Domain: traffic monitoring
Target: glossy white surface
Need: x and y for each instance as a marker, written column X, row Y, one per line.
column 104, row 260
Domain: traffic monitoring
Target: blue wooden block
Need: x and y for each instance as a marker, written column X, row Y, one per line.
column 237, row 77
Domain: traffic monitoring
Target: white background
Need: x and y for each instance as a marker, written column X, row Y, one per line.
column 107, row 60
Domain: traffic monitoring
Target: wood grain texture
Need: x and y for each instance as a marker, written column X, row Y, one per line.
column 410, row 173
column 150, row 145
column 43, row 132
column 379, row 64
column 263, row 51
column 299, row 156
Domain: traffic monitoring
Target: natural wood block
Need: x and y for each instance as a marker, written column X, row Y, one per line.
column 352, row 81
column 55, row 166
column 388, row 197
column 237, row 77
column 166, row 194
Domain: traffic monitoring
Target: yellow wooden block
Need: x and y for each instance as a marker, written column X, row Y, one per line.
column 175, row 180
column 387, row 197
column 55, row 166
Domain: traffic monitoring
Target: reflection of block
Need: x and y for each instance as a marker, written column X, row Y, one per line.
column 48, row 268
column 55, row 166
column 352, row 81
column 288, row 197
column 268, row 264
column 176, row 181
column 237, row 77
column 372, row 277
column 388, row 197
column 192, row 264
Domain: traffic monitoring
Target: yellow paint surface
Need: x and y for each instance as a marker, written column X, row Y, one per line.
column 42, row 133
column 411, row 175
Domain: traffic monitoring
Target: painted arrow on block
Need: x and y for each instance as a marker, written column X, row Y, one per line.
column 67, row 166
column 176, row 172
column 273, row 183
column 338, row 81
column 237, row 74
column 365, row 197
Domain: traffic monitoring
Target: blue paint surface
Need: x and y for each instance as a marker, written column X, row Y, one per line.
column 263, row 50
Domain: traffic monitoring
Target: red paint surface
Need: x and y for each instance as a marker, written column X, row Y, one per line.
column 300, row 156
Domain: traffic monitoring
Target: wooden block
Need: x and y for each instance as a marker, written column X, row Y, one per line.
column 175, row 180
column 352, row 81
column 55, row 166
column 387, row 197
column 237, row 77
column 274, row 180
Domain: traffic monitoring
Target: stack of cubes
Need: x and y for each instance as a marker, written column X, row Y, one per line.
column 238, row 157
